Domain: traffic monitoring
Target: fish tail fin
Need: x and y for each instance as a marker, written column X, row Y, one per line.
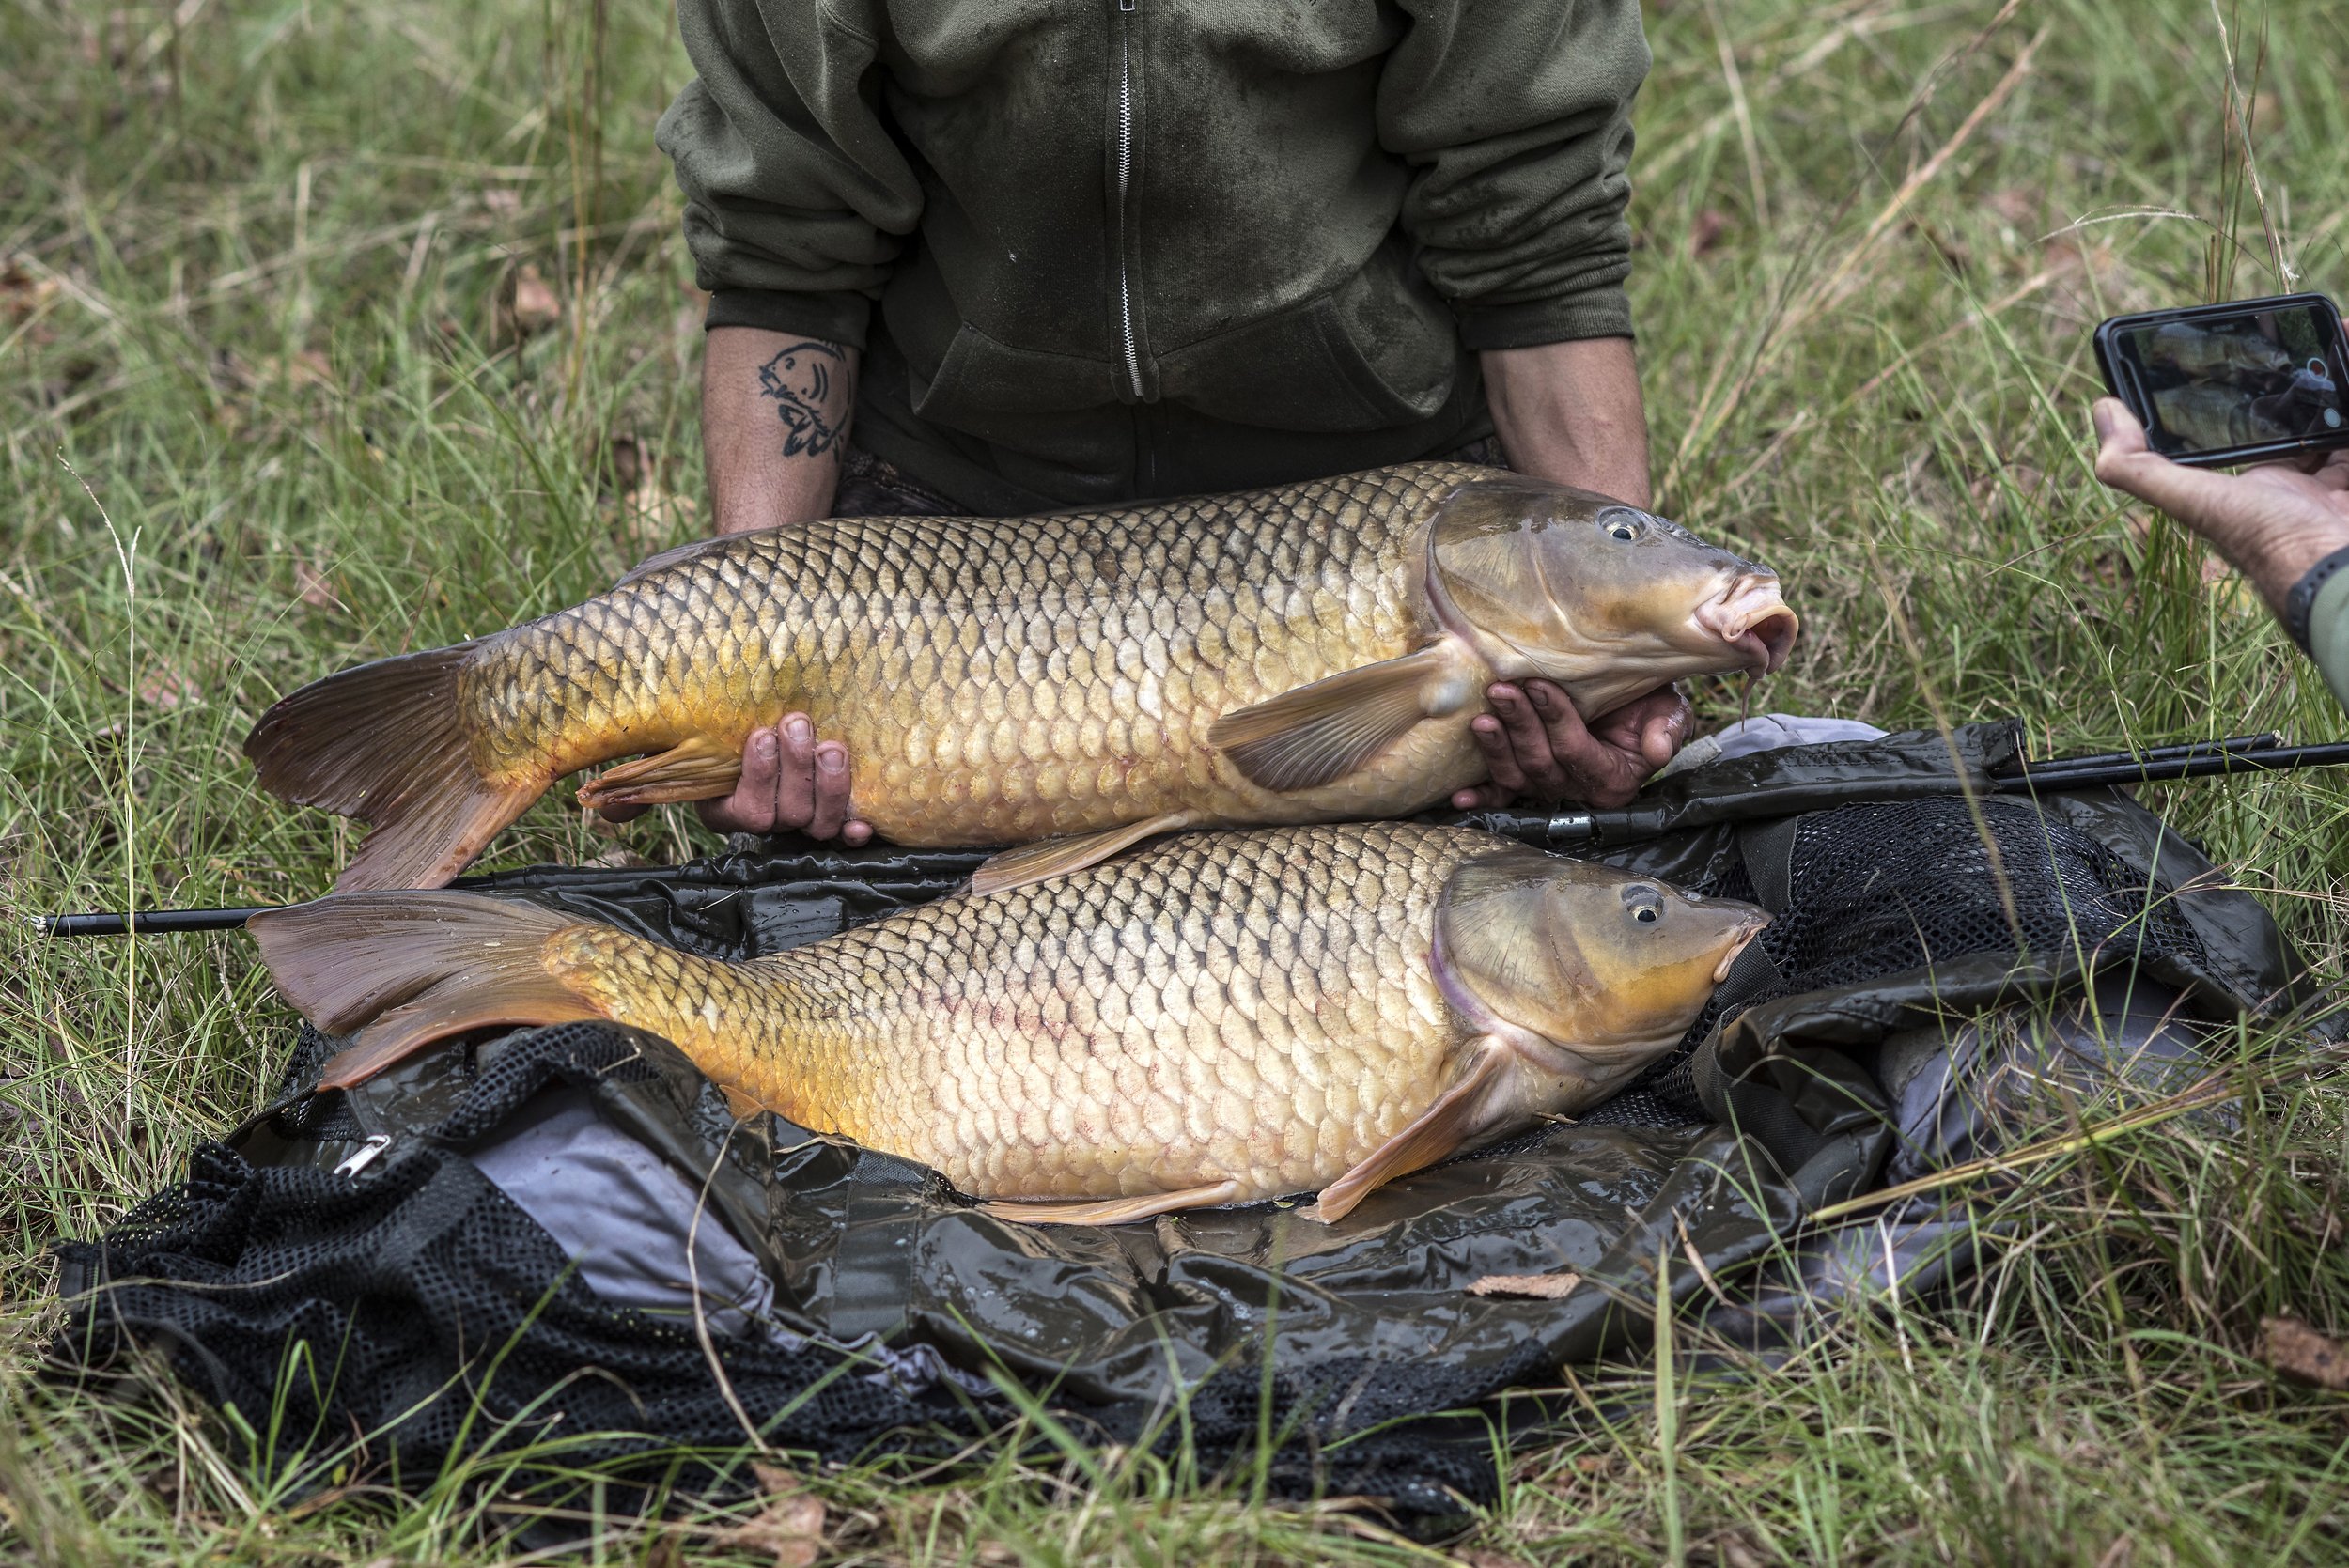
column 408, row 970
column 386, row 743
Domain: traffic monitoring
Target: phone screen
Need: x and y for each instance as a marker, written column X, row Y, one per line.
column 2235, row 381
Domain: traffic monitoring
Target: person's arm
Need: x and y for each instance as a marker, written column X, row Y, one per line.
column 775, row 411
column 2285, row 529
column 1571, row 412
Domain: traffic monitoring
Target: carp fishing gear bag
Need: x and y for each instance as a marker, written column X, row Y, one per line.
column 563, row 1238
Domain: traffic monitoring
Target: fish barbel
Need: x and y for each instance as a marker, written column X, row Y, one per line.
column 1221, row 1017
column 1313, row 653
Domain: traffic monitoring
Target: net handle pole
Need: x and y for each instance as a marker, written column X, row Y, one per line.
column 144, row 922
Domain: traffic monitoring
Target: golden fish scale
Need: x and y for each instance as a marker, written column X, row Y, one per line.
column 999, row 680
column 1164, row 1021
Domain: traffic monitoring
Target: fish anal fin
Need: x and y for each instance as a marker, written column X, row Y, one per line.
column 1456, row 1115
column 1049, row 857
column 699, row 767
column 1305, row 737
column 1110, row 1211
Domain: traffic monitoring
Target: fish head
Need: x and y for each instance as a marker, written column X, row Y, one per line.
column 1565, row 958
column 1608, row 600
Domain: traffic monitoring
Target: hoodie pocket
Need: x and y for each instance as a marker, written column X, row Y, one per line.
column 1378, row 350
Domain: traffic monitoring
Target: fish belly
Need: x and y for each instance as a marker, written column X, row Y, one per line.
column 1256, row 1007
column 1002, row 680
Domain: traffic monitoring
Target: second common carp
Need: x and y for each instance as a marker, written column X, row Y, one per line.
column 1221, row 1017
column 1313, row 653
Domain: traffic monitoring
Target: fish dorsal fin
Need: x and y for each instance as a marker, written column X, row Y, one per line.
column 1057, row 857
column 1305, row 737
column 1457, row 1116
column 663, row 559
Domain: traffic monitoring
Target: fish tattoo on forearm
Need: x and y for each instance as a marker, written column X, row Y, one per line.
column 799, row 378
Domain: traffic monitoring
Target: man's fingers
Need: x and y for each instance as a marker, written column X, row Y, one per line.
column 1528, row 739
column 831, row 809
column 2127, row 463
column 795, row 781
column 1500, row 758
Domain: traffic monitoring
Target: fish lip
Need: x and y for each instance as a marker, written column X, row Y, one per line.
column 1751, row 616
column 1752, row 929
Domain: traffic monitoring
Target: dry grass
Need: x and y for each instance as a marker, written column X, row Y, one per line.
column 277, row 391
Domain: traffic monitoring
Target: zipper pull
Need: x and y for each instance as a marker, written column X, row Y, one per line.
column 1129, row 7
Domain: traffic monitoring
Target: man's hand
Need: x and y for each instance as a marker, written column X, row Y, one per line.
column 2272, row 522
column 791, row 783
column 1534, row 743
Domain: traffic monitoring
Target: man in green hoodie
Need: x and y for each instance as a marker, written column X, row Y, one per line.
column 1005, row 255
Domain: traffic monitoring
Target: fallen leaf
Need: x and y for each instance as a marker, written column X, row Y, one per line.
column 2303, row 1354
column 789, row 1522
column 503, row 202
column 627, row 463
column 167, row 689
column 1705, row 230
column 22, row 294
column 526, row 304
column 652, row 518
column 1545, row 1287
column 315, row 588
column 2267, row 114
column 619, row 856
column 2018, row 206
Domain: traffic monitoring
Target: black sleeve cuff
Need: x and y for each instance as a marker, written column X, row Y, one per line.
column 837, row 318
column 2303, row 597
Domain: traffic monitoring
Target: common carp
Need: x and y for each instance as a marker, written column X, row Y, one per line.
column 1221, row 1018
column 2213, row 355
column 1313, row 653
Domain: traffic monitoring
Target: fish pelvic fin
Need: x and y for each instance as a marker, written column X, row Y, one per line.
column 410, row 970
column 1306, row 737
column 1456, row 1115
column 698, row 768
column 1049, row 857
column 386, row 743
column 1110, row 1211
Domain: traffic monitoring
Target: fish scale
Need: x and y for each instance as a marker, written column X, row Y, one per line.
column 1092, row 1035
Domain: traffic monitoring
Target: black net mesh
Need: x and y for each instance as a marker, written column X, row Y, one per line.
column 1883, row 890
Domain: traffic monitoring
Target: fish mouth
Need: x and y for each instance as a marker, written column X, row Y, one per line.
column 1744, row 940
column 1751, row 617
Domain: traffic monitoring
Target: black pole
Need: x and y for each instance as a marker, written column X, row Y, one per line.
column 2193, row 759
column 145, row 923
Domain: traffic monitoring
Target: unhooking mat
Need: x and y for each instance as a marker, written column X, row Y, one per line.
column 562, row 1234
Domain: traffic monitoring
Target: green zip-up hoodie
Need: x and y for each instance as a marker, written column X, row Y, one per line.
column 1125, row 248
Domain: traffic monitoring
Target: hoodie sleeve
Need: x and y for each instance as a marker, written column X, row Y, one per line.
column 1516, row 120
column 796, row 196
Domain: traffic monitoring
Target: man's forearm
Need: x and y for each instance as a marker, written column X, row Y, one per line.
column 775, row 414
column 1571, row 412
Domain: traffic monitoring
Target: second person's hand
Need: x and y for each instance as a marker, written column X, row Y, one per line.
column 791, row 783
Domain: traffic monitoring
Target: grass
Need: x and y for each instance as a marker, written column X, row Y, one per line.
column 262, row 413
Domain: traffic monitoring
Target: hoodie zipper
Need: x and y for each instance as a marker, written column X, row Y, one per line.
column 1128, row 11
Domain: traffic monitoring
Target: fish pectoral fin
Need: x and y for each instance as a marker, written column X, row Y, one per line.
column 1049, row 857
column 698, row 768
column 1110, row 1211
column 1437, row 1132
column 1305, row 737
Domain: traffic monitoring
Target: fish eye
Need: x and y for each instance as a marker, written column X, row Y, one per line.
column 1645, row 903
column 1622, row 522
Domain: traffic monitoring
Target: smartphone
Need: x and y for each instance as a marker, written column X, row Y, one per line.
column 2247, row 382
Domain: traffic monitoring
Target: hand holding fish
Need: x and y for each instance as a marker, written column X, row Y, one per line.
column 791, row 783
column 1534, row 743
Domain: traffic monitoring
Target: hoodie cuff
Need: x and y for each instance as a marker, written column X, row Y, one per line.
column 1603, row 312
column 838, row 317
